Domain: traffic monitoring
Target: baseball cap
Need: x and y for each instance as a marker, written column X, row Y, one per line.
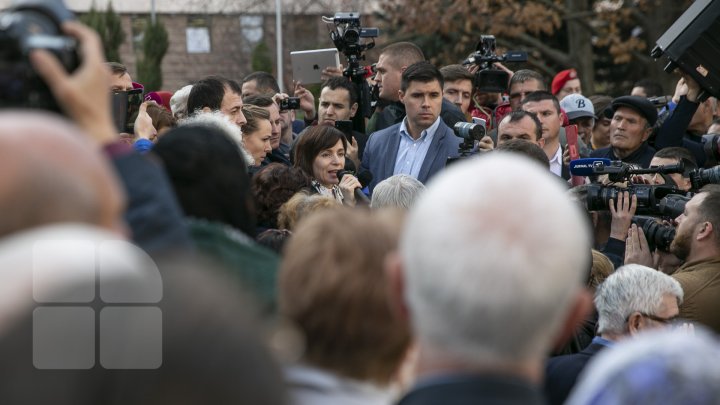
column 577, row 106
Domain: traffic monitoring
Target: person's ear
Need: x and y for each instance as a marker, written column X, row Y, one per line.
column 394, row 273
column 635, row 323
column 541, row 142
column 353, row 110
column 401, row 95
column 581, row 306
column 706, row 230
column 647, row 133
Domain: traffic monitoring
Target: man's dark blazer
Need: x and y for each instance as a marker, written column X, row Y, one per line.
column 478, row 389
column 561, row 373
column 382, row 149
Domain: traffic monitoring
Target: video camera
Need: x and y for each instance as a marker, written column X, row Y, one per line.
column 26, row 26
column 347, row 37
column 488, row 78
column 662, row 200
column 471, row 133
column 657, row 235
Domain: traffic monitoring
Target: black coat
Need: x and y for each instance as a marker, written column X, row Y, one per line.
column 562, row 372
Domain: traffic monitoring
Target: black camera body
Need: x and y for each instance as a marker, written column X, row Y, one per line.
column 290, row 103
column 348, row 34
column 651, row 199
column 470, row 133
column 26, row 26
column 657, row 235
column 489, row 79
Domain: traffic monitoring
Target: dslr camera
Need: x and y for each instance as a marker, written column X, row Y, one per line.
column 26, row 26
column 488, row 78
column 290, row 103
column 470, row 133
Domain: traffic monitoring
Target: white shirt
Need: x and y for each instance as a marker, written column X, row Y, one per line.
column 556, row 162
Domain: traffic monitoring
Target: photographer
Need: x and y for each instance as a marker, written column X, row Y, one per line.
column 152, row 212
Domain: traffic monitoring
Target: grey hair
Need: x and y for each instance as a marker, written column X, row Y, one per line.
column 399, row 191
column 632, row 288
column 178, row 102
column 220, row 121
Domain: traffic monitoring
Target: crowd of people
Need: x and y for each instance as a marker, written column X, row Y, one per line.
column 305, row 263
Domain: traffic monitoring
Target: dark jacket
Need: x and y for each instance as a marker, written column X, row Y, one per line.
column 474, row 389
column 562, row 373
column 642, row 156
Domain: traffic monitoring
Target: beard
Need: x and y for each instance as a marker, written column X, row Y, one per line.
column 680, row 245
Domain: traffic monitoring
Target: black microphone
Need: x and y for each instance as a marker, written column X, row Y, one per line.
column 359, row 195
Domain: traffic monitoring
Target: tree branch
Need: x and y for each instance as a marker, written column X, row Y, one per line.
column 559, row 57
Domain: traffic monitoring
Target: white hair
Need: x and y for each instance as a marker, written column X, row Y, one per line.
column 178, row 102
column 632, row 288
column 399, row 191
column 494, row 252
column 220, row 121
column 662, row 366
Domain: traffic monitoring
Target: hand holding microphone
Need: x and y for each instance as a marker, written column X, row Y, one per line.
column 351, row 188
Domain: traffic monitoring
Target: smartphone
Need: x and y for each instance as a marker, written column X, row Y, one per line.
column 571, row 133
column 346, row 127
column 125, row 108
column 290, row 103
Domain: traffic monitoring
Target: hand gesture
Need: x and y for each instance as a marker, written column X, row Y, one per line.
column 307, row 100
column 636, row 248
column 486, row 144
column 348, row 184
column 331, row 71
column 622, row 214
column 93, row 114
column 144, row 128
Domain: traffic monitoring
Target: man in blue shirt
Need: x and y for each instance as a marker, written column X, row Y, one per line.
column 421, row 143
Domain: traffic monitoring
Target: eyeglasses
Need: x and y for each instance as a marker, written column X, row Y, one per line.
column 664, row 321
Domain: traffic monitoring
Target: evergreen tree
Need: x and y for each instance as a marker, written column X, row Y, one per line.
column 154, row 46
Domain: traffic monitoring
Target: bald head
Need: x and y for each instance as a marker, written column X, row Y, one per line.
column 52, row 173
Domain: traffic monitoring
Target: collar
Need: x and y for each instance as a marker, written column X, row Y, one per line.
column 426, row 133
column 602, row 341
column 558, row 155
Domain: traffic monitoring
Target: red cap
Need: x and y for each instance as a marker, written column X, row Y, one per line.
column 561, row 78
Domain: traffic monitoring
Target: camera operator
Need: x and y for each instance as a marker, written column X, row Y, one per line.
column 421, row 143
column 688, row 121
column 671, row 156
column 458, row 89
column 393, row 61
column 697, row 243
column 632, row 123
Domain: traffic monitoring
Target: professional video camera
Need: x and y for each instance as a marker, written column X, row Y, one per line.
column 663, row 200
column 657, row 235
column 471, row 133
column 488, row 78
column 701, row 177
column 24, row 27
column 347, row 37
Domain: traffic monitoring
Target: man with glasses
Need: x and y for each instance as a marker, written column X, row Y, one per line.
column 633, row 299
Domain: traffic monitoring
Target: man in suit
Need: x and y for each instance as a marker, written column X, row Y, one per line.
column 634, row 298
column 484, row 321
column 421, row 143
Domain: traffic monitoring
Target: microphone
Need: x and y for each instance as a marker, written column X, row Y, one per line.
column 585, row 166
column 359, row 195
column 365, row 177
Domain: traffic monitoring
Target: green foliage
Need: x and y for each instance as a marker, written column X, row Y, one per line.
column 109, row 26
column 261, row 59
column 154, row 47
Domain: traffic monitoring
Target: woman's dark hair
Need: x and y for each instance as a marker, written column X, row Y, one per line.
column 209, row 175
column 272, row 186
column 313, row 141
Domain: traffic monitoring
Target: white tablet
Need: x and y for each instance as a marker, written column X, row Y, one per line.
column 308, row 65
